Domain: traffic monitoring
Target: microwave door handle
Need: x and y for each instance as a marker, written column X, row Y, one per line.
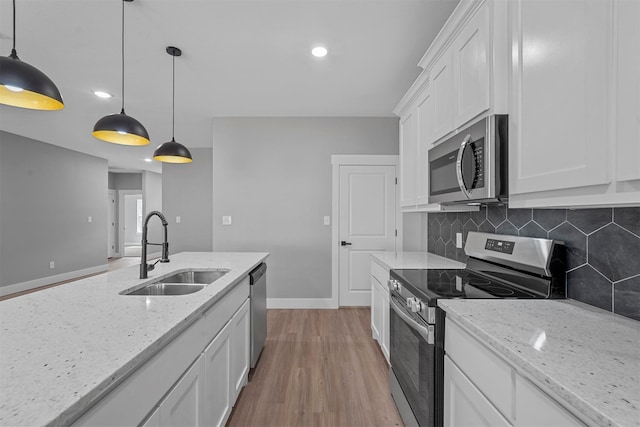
column 425, row 332
column 463, row 187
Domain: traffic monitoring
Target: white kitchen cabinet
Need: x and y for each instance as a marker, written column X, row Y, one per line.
column 184, row 405
column 218, row 384
column 464, row 404
column 408, row 142
column 482, row 388
column 471, row 68
column 380, row 307
column 425, row 129
column 153, row 420
column 240, row 343
column 575, row 103
column 534, row 408
column 442, row 89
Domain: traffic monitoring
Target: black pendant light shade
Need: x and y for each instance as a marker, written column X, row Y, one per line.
column 23, row 85
column 119, row 128
column 172, row 151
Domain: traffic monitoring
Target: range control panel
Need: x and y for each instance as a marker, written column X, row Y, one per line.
column 502, row 246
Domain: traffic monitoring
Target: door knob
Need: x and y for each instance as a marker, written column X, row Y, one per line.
column 343, row 243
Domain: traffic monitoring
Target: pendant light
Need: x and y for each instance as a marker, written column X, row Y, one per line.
column 119, row 128
column 23, row 85
column 172, row 151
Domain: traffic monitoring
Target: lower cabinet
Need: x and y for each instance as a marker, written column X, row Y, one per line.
column 193, row 381
column 482, row 389
column 380, row 307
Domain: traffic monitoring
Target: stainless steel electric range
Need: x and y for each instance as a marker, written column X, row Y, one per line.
column 498, row 266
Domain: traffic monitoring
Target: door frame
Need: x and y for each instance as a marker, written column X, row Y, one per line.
column 121, row 194
column 116, row 250
column 338, row 160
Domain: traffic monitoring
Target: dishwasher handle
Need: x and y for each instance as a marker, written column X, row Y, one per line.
column 257, row 273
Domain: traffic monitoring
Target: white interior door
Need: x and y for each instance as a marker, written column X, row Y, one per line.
column 367, row 223
column 111, row 223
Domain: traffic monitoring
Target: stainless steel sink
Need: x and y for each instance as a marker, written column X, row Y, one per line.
column 182, row 283
column 195, row 276
column 167, row 289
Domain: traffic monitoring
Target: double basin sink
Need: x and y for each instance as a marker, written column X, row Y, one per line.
column 181, row 283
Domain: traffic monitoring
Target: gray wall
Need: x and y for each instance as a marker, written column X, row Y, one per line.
column 125, row 181
column 603, row 247
column 152, row 201
column 273, row 177
column 187, row 191
column 47, row 194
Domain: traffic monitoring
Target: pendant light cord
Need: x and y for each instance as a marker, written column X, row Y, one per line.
column 13, row 50
column 173, row 106
column 122, row 51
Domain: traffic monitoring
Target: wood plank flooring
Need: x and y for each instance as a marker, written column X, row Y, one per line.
column 318, row 368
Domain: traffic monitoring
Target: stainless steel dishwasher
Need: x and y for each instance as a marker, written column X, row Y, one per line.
column 258, row 278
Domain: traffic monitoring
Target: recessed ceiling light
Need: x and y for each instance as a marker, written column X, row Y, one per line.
column 102, row 94
column 148, row 160
column 319, row 51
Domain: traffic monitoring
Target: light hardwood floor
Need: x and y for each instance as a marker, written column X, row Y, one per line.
column 318, row 368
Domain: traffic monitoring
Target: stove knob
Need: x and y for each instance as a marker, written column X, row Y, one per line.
column 416, row 305
column 396, row 286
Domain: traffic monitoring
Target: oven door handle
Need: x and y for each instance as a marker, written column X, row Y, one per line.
column 459, row 172
column 425, row 332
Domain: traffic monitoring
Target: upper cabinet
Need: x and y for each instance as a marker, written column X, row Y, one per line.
column 463, row 78
column 575, row 103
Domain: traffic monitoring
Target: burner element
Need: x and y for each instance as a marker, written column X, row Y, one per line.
column 498, row 291
column 479, row 282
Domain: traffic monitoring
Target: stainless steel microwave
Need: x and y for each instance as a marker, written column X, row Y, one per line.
column 471, row 166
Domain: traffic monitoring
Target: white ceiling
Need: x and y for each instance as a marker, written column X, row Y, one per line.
column 240, row 59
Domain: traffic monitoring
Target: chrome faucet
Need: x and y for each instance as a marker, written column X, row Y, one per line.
column 144, row 267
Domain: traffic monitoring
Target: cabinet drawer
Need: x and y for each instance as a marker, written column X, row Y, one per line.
column 380, row 273
column 534, row 408
column 489, row 373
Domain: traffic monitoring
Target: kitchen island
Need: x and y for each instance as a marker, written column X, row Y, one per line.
column 585, row 360
column 63, row 349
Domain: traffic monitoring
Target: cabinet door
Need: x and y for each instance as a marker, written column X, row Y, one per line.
column 464, row 405
column 534, row 408
column 376, row 307
column 442, row 91
column 385, row 324
column 240, row 345
column 153, row 420
column 560, row 119
column 471, row 63
column 184, row 405
column 217, row 371
column 425, row 132
column 408, row 136
column 628, row 90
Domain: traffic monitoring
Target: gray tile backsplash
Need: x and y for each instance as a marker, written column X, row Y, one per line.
column 603, row 247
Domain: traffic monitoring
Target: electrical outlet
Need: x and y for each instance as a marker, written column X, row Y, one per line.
column 458, row 240
column 52, row 265
column 226, row 220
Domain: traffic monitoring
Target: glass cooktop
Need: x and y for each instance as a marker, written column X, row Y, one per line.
column 436, row 284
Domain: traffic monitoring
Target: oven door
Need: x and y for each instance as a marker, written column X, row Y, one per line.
column 413, row 360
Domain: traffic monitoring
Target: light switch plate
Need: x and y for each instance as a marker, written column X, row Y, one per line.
column 458, row 240
column 178, row 219
column 52, row 265
column 327, row 220
column 226, row 220
column 89, row 219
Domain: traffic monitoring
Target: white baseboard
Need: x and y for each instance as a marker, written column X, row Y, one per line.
column 294, row 303
column 31, row 284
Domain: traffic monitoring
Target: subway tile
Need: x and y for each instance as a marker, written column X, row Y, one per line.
column 587, row 285
column 467, row 227
column 439, row 248
column 589, row 220
column 628, row 218
column 431, row 244
column 456, row 227
column 452, row 216
column 575, row 243
column 614, row 252
column 486, row 227
column 549, row 218
column 519, row 217
column 445, row 230
column 450, row 250
column 463, row 217
column 626, row 298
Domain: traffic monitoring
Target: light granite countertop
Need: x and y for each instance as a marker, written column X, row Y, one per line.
column 590, row 358
column 63, row 348
column 414, row 260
